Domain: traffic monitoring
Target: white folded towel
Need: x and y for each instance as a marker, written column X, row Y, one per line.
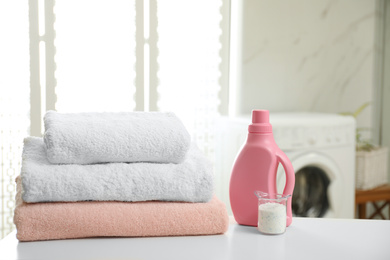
column 85, row 138
column 190, row 181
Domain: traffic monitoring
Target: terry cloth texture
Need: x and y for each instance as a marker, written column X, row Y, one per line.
column 191, row 180
column 85, row 138
column 61, row 220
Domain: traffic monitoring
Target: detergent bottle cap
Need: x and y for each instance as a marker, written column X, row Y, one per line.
column 260, row 122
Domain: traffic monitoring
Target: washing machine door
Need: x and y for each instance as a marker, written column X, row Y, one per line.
column 318, row 188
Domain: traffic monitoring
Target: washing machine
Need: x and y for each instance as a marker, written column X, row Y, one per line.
column 321, row 148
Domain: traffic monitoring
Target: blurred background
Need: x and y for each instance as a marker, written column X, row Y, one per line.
column 203, row 60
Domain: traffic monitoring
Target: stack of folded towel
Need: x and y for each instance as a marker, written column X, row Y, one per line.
column 115, row 174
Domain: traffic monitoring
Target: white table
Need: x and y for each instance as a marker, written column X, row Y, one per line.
column 306, row 238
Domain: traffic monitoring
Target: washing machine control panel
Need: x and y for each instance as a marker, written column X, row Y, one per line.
column 292, row 137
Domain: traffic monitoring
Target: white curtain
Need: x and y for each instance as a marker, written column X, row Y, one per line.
column 14, row 101
column 99, row 55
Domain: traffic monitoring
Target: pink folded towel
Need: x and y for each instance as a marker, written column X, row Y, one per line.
column 62, row 220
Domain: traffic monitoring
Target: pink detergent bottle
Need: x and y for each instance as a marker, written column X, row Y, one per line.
column 255, row 170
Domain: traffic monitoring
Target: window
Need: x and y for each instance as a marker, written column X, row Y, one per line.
column 99, row 55
column 14, row 102
column 94, row 55
column 188, row 62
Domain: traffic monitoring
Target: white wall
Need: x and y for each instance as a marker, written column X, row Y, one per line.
column 384, row 133
column 304, row 55
column 316, row 56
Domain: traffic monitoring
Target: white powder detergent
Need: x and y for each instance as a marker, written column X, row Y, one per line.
column 272, row 218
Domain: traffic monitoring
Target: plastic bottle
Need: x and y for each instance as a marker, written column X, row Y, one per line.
column 255, row 170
